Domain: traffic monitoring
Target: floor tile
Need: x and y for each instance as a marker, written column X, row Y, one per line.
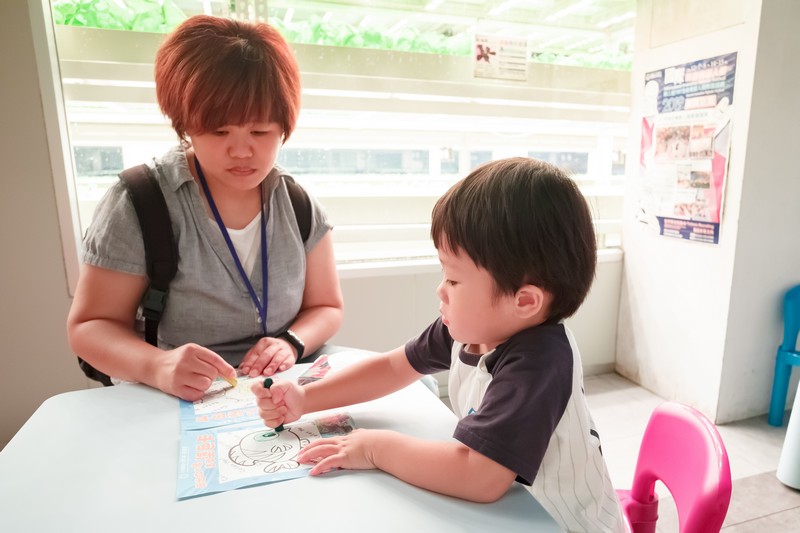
column 782, row 522
column 758, row 497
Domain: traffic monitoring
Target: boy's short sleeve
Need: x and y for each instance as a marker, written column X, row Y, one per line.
column 431, row 350
column 114, row 238
column 528, row 396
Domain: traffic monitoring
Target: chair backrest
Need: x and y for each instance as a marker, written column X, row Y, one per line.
column 791, row 318
column 683, row 450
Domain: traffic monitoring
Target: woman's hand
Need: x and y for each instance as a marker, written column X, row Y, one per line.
column 282, row 403
column 267, row 356
column 188, row 371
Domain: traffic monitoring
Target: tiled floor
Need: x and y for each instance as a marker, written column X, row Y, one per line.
column 759, row 502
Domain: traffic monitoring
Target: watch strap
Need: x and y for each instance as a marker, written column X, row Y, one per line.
column 292, row 338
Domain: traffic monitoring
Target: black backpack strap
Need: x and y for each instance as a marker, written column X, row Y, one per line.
column 301, row 205
column 160, row 252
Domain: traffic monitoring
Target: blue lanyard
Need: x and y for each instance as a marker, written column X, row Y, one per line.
column 261, row 306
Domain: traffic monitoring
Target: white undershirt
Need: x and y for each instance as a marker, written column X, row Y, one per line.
column 246, row 243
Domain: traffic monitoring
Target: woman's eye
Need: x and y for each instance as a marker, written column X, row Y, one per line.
column 262, row 133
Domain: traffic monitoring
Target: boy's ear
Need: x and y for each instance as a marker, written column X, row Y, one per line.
column 529, row 301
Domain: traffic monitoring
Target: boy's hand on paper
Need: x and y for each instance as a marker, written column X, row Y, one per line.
column 188, row 371
column 282, row 403
column 267, row 356
column 353, row 451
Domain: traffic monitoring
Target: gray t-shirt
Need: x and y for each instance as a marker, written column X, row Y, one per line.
column 209, row 303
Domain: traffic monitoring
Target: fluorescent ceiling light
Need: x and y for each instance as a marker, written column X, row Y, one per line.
column 616, row 20
column 502, row 8
column 433, row 4
column 109, row 83
column 463, row 100
column 551, row 42
column 397, row 27
column 568, row 10
column 346, row 94
column 551, row 105
column 580, row 43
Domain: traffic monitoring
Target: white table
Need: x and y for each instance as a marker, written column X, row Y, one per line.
column 107, row 459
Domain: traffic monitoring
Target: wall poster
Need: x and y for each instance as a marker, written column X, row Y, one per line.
column 504, row 58
column 686, row 137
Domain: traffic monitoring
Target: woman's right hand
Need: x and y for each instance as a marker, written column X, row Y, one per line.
column 101, row 330
column 188, row 371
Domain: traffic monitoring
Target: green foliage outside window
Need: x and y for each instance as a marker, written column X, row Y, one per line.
column 161, row 16
column 158, row 16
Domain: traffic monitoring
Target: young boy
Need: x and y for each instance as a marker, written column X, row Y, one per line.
column 518, row 253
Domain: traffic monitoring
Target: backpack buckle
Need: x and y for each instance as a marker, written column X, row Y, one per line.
column 153, row 303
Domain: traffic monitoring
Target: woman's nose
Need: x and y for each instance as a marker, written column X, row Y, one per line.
column 240, row 148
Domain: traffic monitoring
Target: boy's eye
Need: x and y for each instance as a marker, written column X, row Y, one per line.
column 220, row 133
column 451, row 282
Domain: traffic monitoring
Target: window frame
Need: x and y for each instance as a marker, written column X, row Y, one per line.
column 319, row 66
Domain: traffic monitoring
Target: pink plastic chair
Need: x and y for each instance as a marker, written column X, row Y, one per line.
column 683, row 450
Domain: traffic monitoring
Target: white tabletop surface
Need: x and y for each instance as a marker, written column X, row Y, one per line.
column 107, row 460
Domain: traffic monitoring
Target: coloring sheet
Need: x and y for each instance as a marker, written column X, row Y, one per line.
column 242, row 455
column 223, row 404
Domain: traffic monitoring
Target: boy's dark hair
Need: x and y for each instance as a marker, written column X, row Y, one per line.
column 525, row 222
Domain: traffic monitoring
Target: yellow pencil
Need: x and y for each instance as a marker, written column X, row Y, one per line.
column 232, row 381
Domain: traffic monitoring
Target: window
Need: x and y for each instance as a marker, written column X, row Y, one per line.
column 394, row 111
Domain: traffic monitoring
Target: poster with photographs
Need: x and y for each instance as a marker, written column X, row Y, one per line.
column 685, row 144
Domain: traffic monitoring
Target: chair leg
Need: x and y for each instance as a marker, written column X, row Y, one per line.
column 641, row 517
column 780, row 388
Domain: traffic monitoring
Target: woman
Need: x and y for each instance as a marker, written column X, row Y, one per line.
column 232, row 91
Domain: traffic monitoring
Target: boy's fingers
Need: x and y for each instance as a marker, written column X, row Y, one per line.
column 325, row 465
column 279, row 392
column 259, row 391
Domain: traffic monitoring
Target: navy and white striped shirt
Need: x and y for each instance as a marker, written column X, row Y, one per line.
column 523, row 406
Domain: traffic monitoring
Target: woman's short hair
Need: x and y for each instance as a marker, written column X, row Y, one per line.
column 525, row 222
column 213, row 71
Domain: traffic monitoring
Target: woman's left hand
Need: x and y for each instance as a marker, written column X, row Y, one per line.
column 267, row 356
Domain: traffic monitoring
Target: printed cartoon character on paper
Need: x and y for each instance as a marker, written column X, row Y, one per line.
column 222, row 397
column 273, row 450
column 241, row 455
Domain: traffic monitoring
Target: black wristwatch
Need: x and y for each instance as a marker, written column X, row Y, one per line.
column 292, row 338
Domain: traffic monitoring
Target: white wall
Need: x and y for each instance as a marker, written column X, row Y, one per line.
column 767, row 259
column 700, row 323
column 35, row 362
